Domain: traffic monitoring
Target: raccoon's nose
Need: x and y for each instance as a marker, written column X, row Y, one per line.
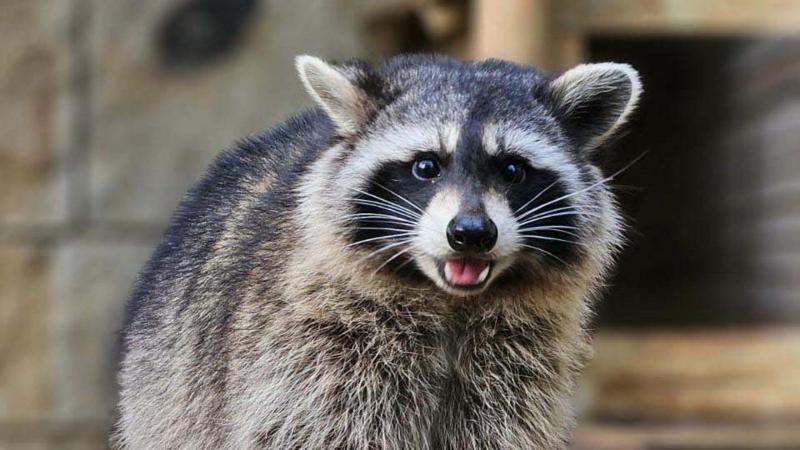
column 471, row 233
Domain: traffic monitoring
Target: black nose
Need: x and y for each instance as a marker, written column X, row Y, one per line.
column 471, row 233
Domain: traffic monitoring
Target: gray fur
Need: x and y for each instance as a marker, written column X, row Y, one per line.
column 256, row 325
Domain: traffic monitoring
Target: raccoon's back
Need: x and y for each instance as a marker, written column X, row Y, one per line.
column 174, row 342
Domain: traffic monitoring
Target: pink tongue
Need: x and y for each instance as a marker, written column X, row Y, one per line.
column 464, row 271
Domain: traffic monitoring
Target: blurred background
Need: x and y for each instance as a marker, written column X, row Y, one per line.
column 109, row 110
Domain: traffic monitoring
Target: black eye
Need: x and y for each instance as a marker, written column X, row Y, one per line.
column 426, row 168
column 513, row 172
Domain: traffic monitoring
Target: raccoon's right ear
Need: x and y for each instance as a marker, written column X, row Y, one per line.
column 337, row 92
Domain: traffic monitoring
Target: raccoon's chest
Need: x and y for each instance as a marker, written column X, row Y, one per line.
column 405, row 385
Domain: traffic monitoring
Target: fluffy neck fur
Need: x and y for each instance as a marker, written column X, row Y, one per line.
column 380, row 360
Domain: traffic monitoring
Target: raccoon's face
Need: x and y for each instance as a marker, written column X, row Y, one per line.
column 470, row 175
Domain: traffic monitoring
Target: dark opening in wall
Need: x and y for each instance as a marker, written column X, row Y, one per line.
column 701, row 251
column 198, row 32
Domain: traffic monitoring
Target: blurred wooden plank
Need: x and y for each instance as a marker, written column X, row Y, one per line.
column 552, row 34
column 442, row 20
column 682, row 16
column 707, row 374
column 515, row 30
column 524, row 31
column 686, row 437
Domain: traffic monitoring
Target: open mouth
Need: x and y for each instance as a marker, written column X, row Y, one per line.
column 466, row 272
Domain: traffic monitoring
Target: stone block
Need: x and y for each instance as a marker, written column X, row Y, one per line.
column 90, row 284
column 157, row 125
column 24, row 347
column 33, row 77
column 43, row 436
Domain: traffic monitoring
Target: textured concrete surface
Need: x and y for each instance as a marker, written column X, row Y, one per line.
column 102, row 134
column 155, row 127
column 90, row 281
column 25, row 388
column 33, row 79
column 103, row 131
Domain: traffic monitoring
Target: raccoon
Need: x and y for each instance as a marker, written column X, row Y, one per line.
column 409, row 265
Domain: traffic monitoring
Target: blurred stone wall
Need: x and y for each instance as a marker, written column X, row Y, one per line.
column 108, row 112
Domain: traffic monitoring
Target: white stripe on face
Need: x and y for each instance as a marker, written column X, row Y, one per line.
column 497, row 208
column 449, row 135
column 394, row 144
column 432, row 227
column 401, row 143
column 489, row 139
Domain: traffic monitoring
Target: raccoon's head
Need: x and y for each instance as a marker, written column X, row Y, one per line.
column 472, row 176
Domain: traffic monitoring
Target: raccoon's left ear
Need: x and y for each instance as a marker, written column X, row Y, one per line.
column 336, row 90
column 593, row 100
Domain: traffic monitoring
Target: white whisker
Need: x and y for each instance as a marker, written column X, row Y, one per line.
column 379, row 217
column 554, row 210
column 384, row 248
column 414, row 205
column 564, row 214
column 532, row 247
column 396, row 255
column 378, row 238
column 388, row 219
column 545, row 238
column 535, row 197
column 554, row 228
column 386, row 207
column 592, row 186
column 385, row 229
column 396, row 269
column 383, row 200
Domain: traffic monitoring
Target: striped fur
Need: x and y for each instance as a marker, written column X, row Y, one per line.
column 256, row 323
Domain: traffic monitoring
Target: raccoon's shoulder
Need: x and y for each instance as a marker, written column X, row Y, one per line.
column 266, row 163
column 265, row 157
column 256, row 174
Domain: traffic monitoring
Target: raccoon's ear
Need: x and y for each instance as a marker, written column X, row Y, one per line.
column 336, row 91
column 593, row 100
